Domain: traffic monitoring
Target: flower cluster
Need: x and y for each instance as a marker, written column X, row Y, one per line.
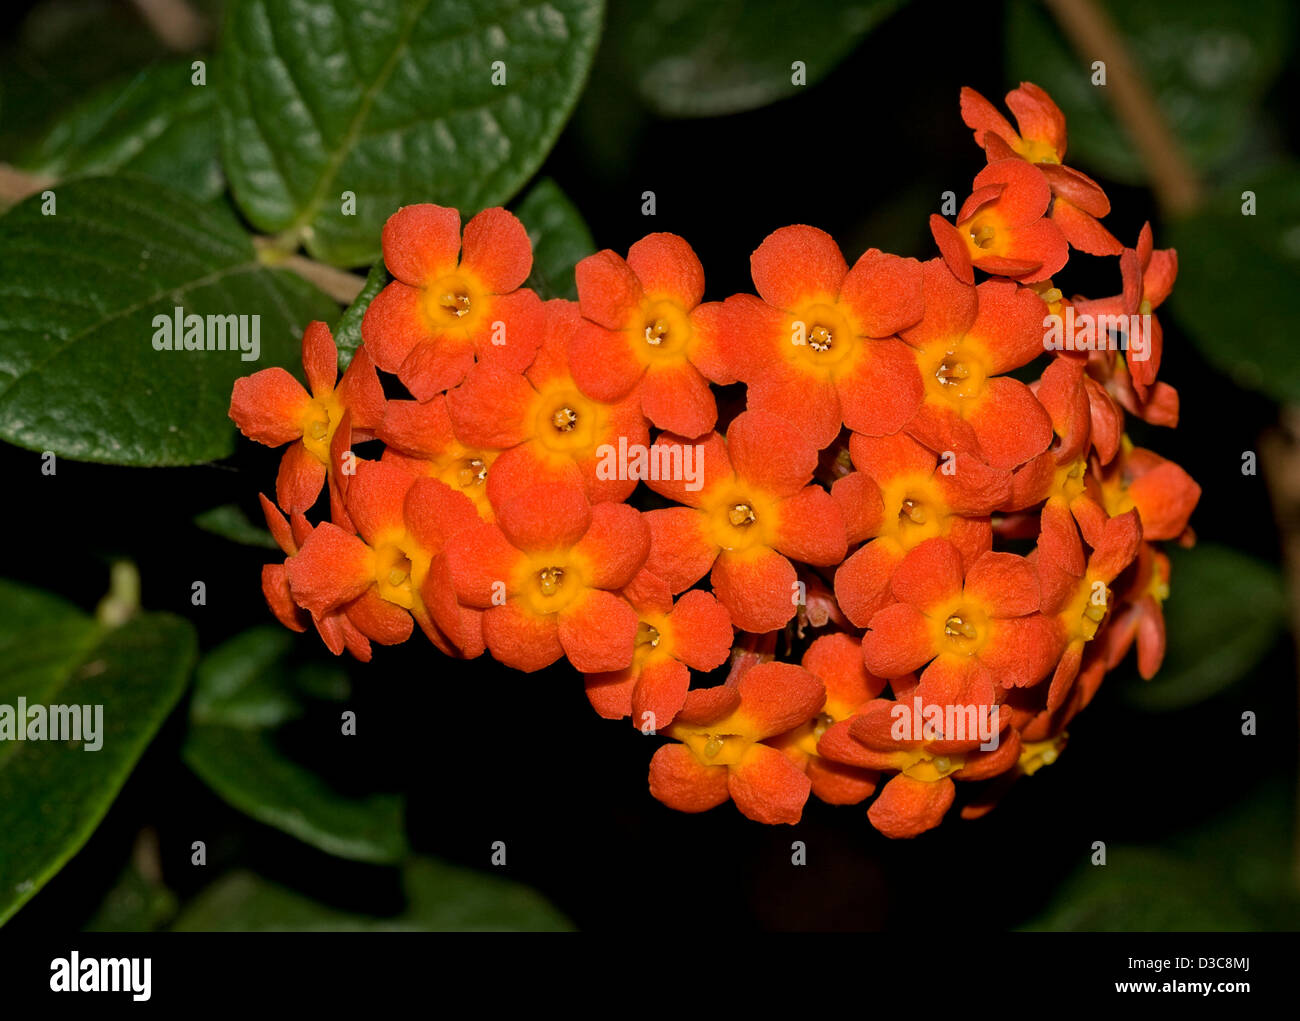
column 923, row 494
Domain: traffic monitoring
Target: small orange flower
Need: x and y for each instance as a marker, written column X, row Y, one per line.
column 272, row 407
column 836, row 661
column 817, row 346
column 644, row 330
column 454, row 300
column 671, row 640
column 394, row 570
column 1003, row 227
column 545, row 427
column 722, row 753
column 752, row 510
column 906, row 495
column 967, row 339
column 1077, row 199
column 546, row 574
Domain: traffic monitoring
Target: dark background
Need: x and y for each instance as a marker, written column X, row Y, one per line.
column 485, row 754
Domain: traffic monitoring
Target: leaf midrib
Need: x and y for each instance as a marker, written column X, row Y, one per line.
column 332, row 165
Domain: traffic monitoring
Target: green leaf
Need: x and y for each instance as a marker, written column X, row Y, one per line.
column 1142, row 889
column 54, row 793
column 1206, row 63
column 559, row 236
column 58, row 55
column 1225, row 610
column 393, row 101
column 133, row 904
column 230, row 522
column 79, row 291
column 243, row 689
column 705, row 59
column 347, row 333
column 1255, row 259
column 440, row 898
column 155, row 123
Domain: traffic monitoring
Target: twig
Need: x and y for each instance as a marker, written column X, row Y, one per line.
column 1095, row 37
column 16, row 185
column 339, row 284
column 176, row 24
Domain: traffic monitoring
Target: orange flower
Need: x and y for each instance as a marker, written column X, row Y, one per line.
column 1003, row 227
column 1163, row 493
column 645, row 331
column 454, row 299
column 1141, row 618
column 836, row 661
column 1078, row 612
column 546, row 428
column 1148, row 276
column 546, row 573
column 336, row 630
column 1077, row 200
column 394, row 570
column 272, row 408
column 976, row 634
column 900, row 496
column 722, row 754
column 815, row 347
column 671, row 640
column 968, row 337
column 751, row 510
column 421, row 440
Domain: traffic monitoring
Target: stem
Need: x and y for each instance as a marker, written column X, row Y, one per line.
column 339, row 284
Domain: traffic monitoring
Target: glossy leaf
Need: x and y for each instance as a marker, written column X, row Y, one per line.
column 1224, row 612
column 560, row 239
column 155, row 123
column 705, row 59
column 230, row 522
column 79, row 292
column 54, row 793
column 1254, row 258
column 243, row 690
column 440, row 898
column 392, row 101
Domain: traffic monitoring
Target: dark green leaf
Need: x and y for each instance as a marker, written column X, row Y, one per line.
column 347, row 334
column 54, row 793
column 440, row 898
column 79, row 291
column 155, row 123
column 243, row 689
column 393, row 101
column 1224, row 612
column 1255, row 259
column 560, row 239
column 705, row 59
column 230, row 522
column 59, row 54
column 1143, row 889
column 133, row 904
column 1206, row 63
